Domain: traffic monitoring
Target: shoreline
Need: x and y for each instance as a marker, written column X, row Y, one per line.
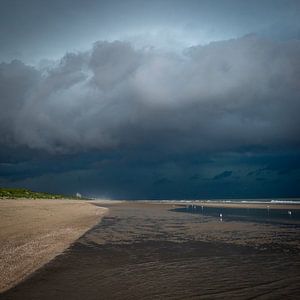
column 210, row 203
column 34, row 231
column 254, row 205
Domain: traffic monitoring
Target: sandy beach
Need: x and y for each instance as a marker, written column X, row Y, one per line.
column 35, row 231
column 150, row 251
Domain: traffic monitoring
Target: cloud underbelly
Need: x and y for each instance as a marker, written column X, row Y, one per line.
column 220, row 96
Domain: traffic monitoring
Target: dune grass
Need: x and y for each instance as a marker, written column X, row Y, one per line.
column 25, row 193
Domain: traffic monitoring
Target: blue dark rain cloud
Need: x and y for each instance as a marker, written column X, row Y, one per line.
column 151, row 100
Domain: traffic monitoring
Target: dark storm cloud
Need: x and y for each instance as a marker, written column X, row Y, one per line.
column 280, row 164
column 225, row 95
column 223, row 175
column 148, row 116
column 123, row 175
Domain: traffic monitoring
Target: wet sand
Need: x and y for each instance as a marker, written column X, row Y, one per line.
column 34, row 231
column 149, row 251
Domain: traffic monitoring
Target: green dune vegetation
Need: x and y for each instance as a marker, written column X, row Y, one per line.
column 25, row 193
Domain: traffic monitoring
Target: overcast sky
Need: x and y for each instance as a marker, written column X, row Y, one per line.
column 35, row 29
column 151, row 99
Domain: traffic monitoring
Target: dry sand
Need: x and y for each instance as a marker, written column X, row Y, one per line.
column 35, row 231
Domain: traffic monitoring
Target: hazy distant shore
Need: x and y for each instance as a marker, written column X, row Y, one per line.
column 251, row 204
column 34, row 231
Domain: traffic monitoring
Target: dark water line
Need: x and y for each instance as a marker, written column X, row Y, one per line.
column 267, row 215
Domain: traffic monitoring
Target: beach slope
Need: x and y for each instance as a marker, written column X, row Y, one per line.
column 35, row 231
